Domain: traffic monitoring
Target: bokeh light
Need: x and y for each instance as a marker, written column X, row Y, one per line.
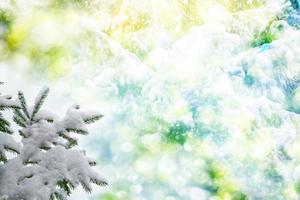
column 200, row 97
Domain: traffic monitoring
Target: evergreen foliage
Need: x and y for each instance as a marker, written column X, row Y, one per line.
column 45, row 166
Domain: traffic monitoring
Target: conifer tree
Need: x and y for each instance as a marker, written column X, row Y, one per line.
column 47, row 167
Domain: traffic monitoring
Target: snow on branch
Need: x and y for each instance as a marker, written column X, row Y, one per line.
column 47, row 167
column 7, row 143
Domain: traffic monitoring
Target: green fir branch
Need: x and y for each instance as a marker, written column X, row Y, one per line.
column 86, row 186
column 23, row 104
column 78, row 131
column 19, row 121
column 39, row 102
column 99, row 182
column 20, row 115
column 92, row 119
column 8, row 148
column 71, row 141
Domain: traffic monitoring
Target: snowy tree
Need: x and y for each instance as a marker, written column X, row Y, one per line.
column 46, row 166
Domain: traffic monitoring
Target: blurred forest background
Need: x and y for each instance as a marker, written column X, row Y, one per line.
column 200, row 97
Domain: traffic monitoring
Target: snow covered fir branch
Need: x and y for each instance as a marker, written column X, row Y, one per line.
column 43, row 165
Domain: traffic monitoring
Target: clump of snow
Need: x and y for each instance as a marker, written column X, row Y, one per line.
column 6, row 101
